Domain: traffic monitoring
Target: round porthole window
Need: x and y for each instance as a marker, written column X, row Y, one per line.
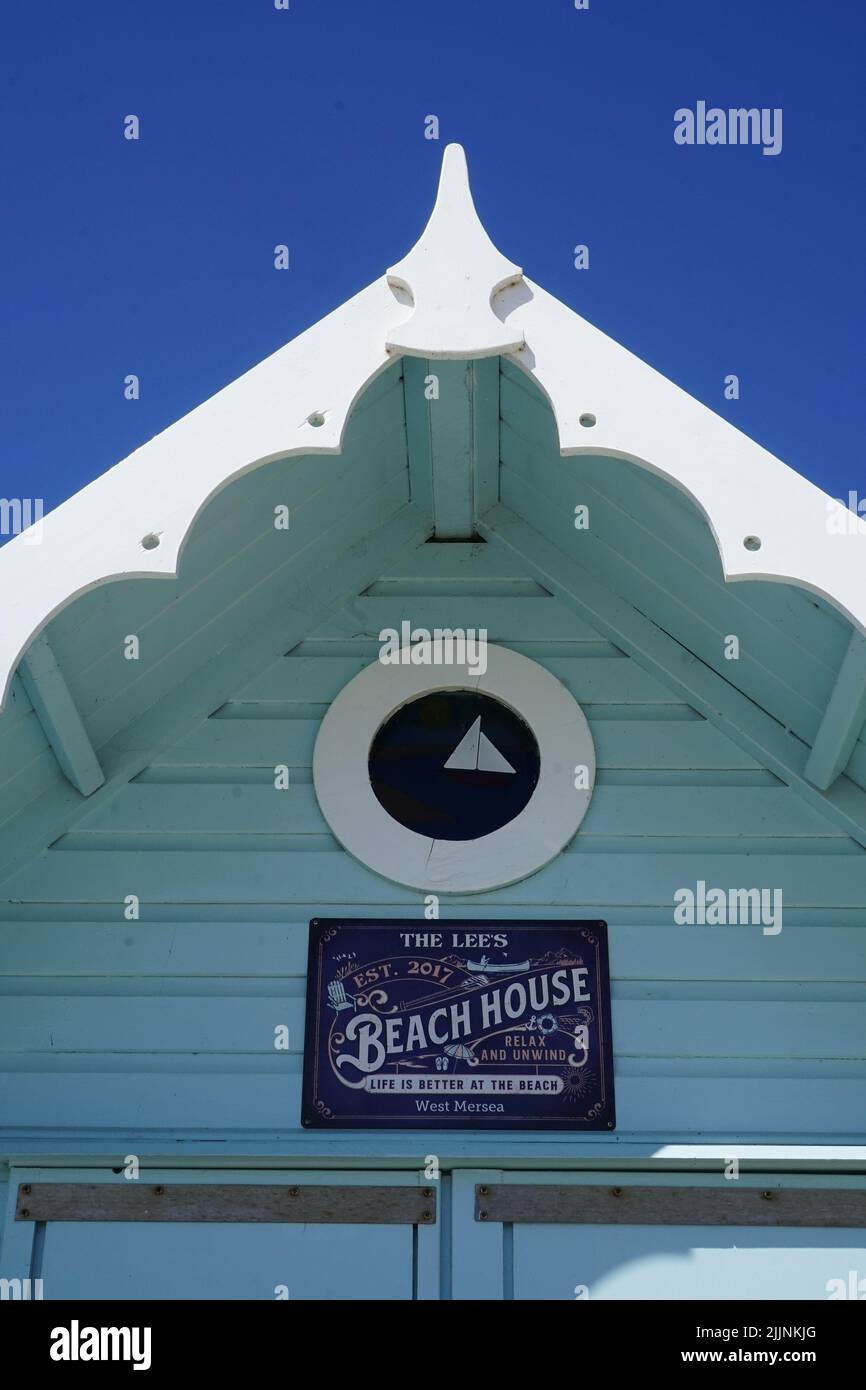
column 444, row 779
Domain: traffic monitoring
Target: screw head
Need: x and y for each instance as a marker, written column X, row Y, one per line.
column 482, row 1216
column 24, row 1211
column 26, row 1188
column 158, row 1191
column 484, row 1192
column 293, row 1192
column 767, row 1196
column 426, row 1216
column 426, row 1192
column 616, row 1192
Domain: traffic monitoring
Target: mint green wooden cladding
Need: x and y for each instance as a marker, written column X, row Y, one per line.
column 718, row 1030
column 156, row 1036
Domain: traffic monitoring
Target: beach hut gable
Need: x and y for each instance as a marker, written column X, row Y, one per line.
column 454, row 628
column 452, row 400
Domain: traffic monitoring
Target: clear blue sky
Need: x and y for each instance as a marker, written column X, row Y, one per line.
column 306, row 127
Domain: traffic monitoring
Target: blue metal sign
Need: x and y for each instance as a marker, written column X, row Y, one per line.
column 458, row 1025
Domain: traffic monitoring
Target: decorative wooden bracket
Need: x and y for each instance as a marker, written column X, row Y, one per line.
column 843, row 718
column 58, row 715
column 452, row 274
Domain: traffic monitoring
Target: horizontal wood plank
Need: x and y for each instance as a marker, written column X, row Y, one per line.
column 505, row 620
column 690, row 744
column 226, row 1103
column 306, row 1203
column 594, row 679
column 224, row 950
column 649, row 1027
column 646, row 811
column 730, row 1205
column 103, row 876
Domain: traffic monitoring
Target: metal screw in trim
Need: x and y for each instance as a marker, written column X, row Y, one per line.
column 616, row 1192
column 26, row 1188
column 159, row 1191
column 293, row 1192
column 767, row 1196
column 426, row 1216
column 482, row 1216
column 25, row 1211
column 483, row 1191
column 426, row 1192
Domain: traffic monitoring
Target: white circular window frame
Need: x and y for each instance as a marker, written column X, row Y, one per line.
column 362, row 825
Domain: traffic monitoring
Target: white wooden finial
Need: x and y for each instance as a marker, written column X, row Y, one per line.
column 452, row 274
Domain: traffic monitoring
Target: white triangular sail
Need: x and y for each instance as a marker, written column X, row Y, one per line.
column 490, row 759
column 465, row 755
column 475, row 753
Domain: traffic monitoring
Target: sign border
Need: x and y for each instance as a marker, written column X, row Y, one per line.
column 311, row 1114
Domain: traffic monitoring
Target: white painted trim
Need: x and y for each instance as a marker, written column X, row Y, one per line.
column 741, row 489
column 453, row 295
column 159, row 490
column 363, row 826
column 451, row 276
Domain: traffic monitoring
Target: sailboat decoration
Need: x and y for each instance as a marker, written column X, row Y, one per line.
column 475, row 753
column 491, row 967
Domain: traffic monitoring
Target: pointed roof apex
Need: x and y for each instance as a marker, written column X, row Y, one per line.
column 453, row 296
column 452, row 274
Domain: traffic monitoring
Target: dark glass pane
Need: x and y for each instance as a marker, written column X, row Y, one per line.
column 454, row 765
